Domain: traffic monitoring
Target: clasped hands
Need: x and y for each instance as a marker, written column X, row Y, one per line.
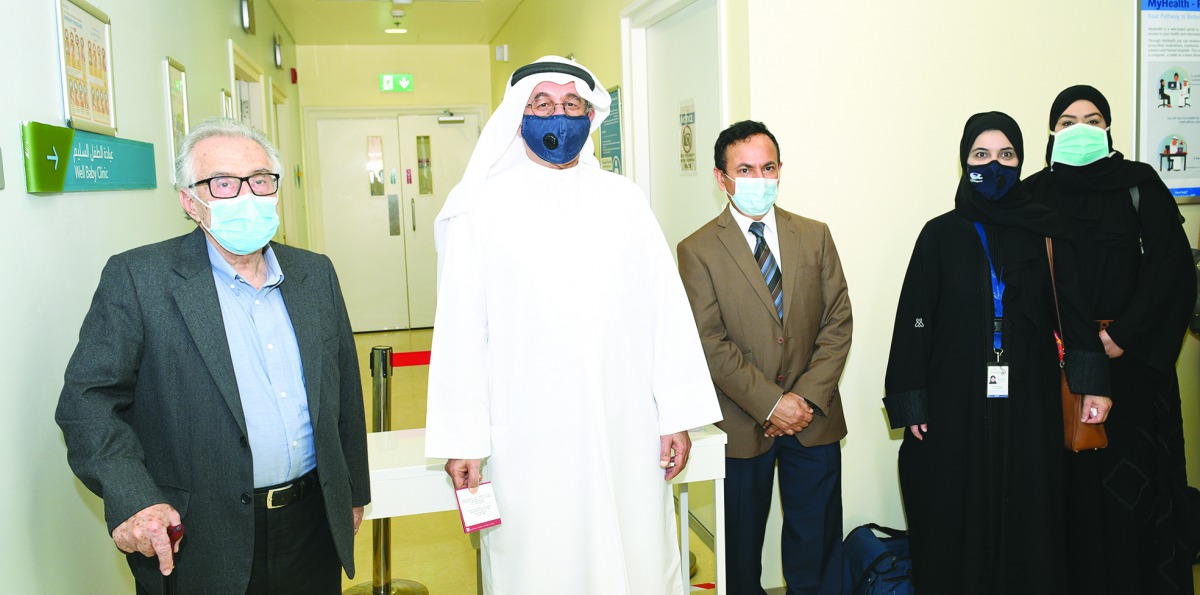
column 791, row 415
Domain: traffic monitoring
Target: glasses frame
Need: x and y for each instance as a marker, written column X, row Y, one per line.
column 241, row 180
column 587, row 107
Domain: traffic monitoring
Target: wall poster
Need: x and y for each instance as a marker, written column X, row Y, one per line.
column 610, row 135
column 177, row 107
column 85, row 49
column 1168, row 122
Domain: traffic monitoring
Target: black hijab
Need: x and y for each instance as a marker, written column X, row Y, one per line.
column 1110, row 173
column 1016, row 208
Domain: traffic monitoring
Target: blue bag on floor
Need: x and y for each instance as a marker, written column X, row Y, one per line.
column 875, row 566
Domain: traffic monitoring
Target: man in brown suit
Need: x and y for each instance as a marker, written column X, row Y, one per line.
column 770, row 301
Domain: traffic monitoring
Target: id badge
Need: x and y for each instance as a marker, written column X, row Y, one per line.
column 997, row 381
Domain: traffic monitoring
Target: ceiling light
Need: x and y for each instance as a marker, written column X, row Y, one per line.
column 396, row 29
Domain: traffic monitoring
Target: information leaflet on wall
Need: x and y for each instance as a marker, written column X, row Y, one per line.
column 687, row 138
column 610, row 135
column 59, row 159
column 1168, row 56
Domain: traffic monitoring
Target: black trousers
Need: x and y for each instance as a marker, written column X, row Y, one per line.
column 293, row 550
column 810, row 492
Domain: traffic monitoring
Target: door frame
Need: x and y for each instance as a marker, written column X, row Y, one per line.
column 733, row 95
column 316, row 211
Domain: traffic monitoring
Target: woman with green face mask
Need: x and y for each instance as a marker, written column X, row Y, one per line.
column 1126, row 505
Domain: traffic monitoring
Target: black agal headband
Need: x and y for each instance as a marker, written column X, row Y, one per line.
column 559, row 67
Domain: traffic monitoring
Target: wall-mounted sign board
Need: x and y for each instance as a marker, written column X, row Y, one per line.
column 60, row 159
column 396, row 82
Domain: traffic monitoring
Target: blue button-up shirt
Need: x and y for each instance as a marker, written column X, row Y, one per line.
column 270, row 376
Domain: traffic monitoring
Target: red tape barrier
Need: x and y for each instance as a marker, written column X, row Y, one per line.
column 410, row 358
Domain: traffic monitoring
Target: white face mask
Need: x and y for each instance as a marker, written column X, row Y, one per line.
column 244, row 224
column 753, row 196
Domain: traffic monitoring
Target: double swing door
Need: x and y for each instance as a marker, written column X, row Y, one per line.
column 380, row 181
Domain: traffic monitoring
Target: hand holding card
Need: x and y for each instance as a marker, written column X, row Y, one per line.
column 479, row 510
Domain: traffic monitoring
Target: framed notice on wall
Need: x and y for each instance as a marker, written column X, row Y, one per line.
column 1168, row 64
column 610, row 135
column 85, row 49
column 177, row 107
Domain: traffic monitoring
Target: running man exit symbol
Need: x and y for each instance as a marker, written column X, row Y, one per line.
column 396, row 82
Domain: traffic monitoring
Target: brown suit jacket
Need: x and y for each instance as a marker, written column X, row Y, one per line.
column 753, row 357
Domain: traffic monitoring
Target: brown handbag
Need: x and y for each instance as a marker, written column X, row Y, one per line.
column 1077, row 435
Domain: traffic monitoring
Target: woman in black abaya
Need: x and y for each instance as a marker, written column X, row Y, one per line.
column 1127, row 503
column 980, row 462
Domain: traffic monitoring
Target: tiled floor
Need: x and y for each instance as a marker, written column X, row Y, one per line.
column 431, row 548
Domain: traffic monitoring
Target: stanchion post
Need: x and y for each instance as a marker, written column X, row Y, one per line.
column 381, row 421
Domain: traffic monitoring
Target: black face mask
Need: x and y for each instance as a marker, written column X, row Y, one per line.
column 993, row 180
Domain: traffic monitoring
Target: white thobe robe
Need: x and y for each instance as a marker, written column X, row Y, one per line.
column 563, row 348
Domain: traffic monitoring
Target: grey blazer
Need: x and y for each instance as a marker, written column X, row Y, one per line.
column 754, row 357
column 151, row 413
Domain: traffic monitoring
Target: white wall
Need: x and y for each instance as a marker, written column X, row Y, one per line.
column 55, row 245
column 868, row 103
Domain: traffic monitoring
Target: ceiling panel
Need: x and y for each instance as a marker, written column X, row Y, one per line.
column 361, row 22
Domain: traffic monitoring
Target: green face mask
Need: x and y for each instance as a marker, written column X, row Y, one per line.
column 1080, row 144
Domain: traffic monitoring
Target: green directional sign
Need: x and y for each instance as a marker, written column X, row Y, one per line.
column 60, row 159
column 396, row 82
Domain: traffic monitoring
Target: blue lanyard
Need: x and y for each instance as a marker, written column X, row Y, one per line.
column 997, row 289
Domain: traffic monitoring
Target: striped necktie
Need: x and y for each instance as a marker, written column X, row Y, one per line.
column 767, row 266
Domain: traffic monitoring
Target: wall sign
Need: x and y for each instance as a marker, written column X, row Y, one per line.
column 396, row 82
column 687, row 136
column 610, row 135
column 1168, row 66
column 60, row 159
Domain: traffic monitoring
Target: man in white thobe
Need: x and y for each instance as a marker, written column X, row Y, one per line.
column 564, row 351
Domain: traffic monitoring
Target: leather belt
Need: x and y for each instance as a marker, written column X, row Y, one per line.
column 289, row 493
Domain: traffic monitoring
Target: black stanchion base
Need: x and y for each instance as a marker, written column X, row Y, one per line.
column 397, row 587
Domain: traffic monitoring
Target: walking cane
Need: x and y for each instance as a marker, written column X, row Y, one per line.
column 174, row 533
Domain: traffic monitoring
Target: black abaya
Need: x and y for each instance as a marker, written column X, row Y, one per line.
column 982, row 490
column 1126, row 504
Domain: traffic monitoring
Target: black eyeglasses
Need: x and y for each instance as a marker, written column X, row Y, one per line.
column 229, row 186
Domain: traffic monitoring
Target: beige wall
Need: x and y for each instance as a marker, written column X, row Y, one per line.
column 869, row 104
column 348, row 76
column 55, row 246
column 589, row 30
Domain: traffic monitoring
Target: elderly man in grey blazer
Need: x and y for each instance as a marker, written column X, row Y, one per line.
column 216, row 386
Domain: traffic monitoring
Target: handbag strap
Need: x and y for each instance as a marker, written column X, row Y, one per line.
column 1054, row 290
column 890, row 532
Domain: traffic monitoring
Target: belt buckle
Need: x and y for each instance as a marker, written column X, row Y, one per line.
column 271, row 496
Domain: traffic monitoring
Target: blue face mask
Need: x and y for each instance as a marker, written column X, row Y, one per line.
column 244, row 224
column 992, row 179
column 753, row 196
column 556, row 139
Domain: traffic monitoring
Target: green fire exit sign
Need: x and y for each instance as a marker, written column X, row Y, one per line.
column 395, row 82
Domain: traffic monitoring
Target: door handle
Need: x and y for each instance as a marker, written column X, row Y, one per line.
column 412, row 203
